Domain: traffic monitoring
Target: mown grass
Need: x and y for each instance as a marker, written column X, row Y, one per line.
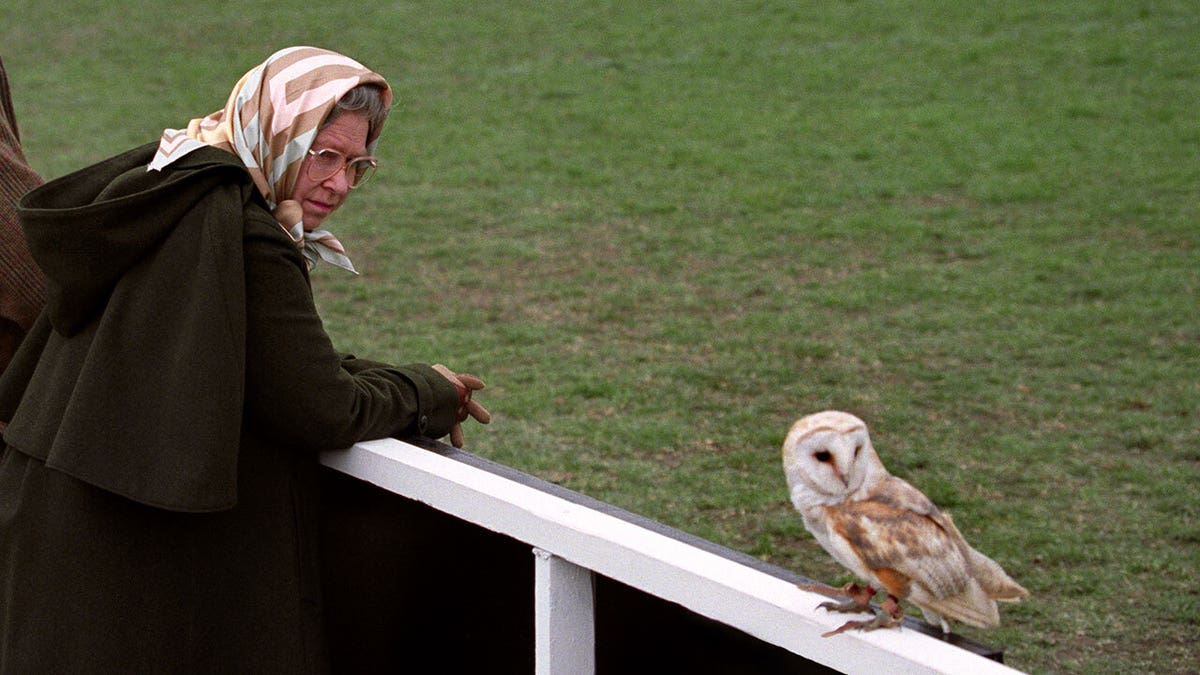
column 662, row 231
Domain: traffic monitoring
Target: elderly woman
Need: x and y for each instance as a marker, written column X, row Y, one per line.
column 158, row 485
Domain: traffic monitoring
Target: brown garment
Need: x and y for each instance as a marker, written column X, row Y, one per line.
column 22, row 289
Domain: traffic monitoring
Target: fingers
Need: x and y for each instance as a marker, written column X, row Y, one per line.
column 479, row 412
column 470, row 381
column 466, row 385
column 471, row 409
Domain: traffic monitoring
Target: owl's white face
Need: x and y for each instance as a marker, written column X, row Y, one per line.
column 827, row 457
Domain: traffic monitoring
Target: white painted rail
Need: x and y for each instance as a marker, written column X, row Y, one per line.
column 569, row 541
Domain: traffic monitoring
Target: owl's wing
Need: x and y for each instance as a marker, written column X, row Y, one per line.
column 890, row 538
column 912, row 549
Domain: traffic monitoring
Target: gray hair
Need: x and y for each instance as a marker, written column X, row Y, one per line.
column 365, row 98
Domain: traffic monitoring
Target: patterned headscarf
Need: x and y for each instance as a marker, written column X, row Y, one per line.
column 270, row 121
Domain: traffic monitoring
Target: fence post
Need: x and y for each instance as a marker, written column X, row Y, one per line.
column 564, row 616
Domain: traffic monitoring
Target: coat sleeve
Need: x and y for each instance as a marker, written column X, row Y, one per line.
column 298, row 390
column 352, row 364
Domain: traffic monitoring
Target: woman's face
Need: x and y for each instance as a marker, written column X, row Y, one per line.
column 347, row 134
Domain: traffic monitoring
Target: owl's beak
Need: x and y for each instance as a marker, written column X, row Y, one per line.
column 840, row 476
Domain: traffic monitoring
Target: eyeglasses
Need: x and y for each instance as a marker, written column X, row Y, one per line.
column 323, row 164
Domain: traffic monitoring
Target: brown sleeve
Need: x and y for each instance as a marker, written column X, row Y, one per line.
column 22, row 288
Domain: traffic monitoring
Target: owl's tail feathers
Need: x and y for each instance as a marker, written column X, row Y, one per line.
column 994, row 580
column 972, row 607
column 976, row 606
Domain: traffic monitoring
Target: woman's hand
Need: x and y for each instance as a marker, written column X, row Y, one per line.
column 466, row 386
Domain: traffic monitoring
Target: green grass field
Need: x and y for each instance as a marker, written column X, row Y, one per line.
column 662, row 231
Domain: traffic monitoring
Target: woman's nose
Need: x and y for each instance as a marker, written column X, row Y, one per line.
column 339, row 182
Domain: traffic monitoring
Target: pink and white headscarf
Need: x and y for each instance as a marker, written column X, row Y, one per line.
column 270, row 121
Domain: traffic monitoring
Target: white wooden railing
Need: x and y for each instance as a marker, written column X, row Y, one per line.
column 570, row 540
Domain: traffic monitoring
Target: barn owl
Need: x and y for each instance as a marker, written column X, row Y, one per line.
column 886, row 531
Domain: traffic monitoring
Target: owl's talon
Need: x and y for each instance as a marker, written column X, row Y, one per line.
column 847, row 607
column 882, row 620
column 889, row 615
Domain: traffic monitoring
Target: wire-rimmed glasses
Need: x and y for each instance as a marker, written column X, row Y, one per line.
column 322, row 164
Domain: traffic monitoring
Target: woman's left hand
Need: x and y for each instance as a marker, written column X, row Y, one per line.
column 466, row 386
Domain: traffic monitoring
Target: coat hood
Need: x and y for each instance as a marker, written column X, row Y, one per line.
column 133, row 378
column 89, row 228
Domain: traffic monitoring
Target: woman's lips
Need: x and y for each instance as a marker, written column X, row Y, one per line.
column 320, row 207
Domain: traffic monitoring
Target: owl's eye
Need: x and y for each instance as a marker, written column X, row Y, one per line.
column 823, row 456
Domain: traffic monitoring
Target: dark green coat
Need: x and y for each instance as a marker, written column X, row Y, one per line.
column 158, row 489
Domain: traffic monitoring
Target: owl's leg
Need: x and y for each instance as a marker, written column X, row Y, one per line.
column 889, row 615
column 860, row 599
